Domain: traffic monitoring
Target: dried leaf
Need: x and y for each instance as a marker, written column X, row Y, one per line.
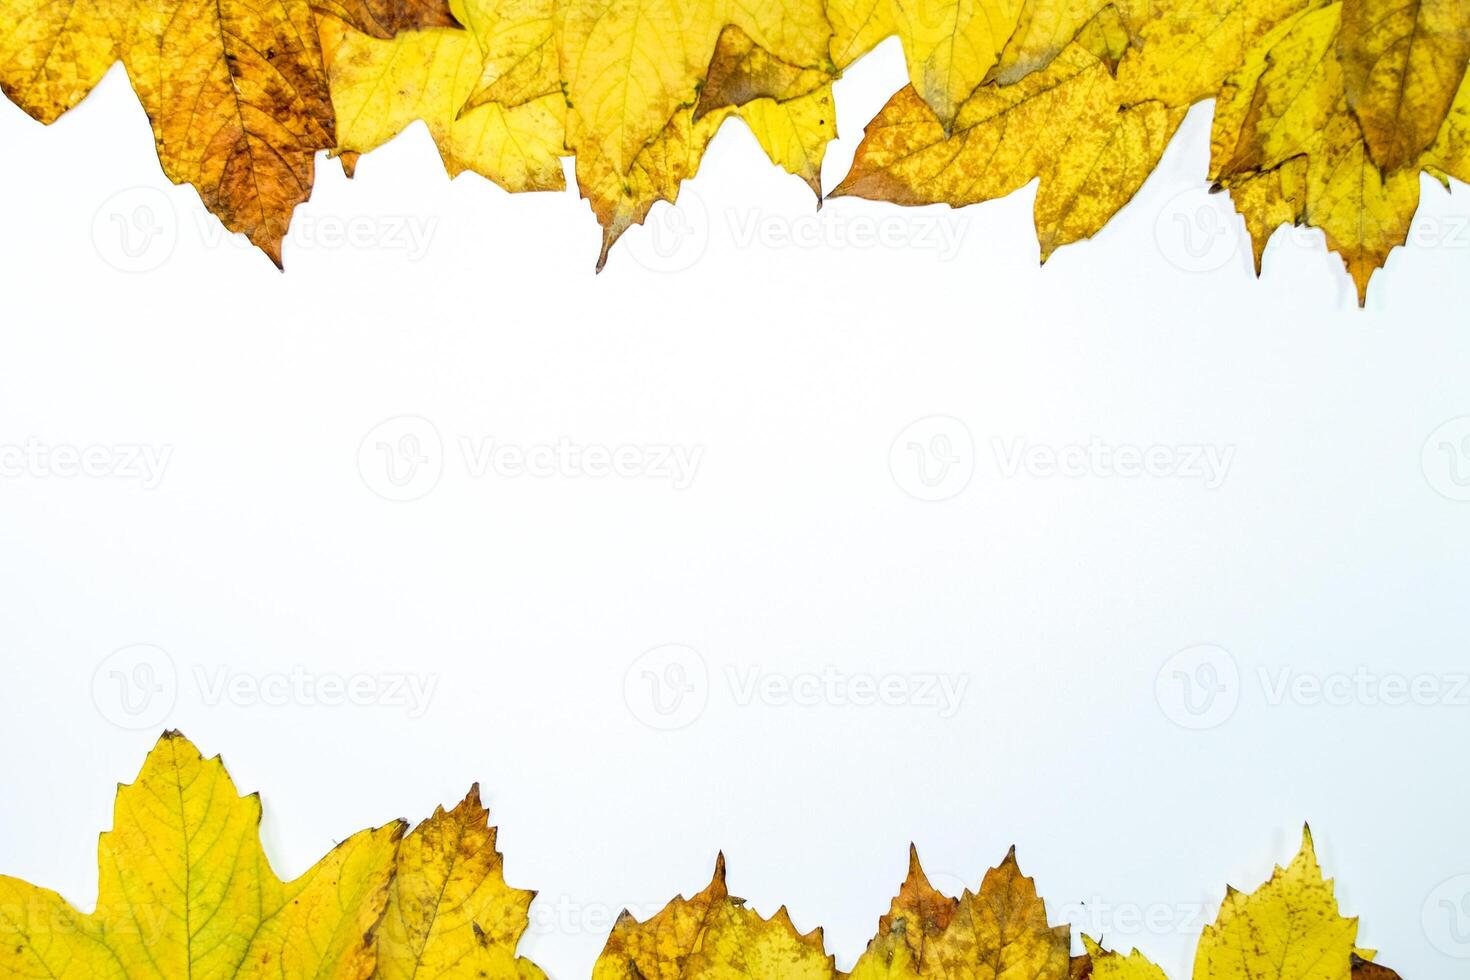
column 1288, row 929
column 186, row 891
column 450, row 912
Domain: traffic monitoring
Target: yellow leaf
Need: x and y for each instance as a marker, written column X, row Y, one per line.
column 1402, row 63
column 1269, row 200
column 1288, row 929
column 450, row 912
column 951, row 45
column 858, row 26
column 1044, row 29
column 792, row 121
column 1451, row 151
column 1064, row 124
column 918, row 915
column 186, row 891
column 1188, row 47
column 237, row 95
column 712, row 936
column 386, row 18
column 1364, row 213
column 1106, row 37
column 742, row 71
column 1112, row 965
column 518, row 42
column 1280, row 111
column 795, row 133
column 630, row 66
column 53, row 53
column 380, row 87
column 1000, row 932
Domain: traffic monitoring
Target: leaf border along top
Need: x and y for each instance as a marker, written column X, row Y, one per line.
column 242, row 95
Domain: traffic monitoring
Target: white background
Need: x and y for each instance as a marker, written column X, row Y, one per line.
column 1333, row 544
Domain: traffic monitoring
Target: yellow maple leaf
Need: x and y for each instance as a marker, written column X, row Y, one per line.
column 186, row 891
column 712, row 936
column 449, row 911
column 1288, row 929
column 1402, row 63
column 381, row 86
column 1000, row 931
column 918, row 915
column 1064, row 124
column 995, row 933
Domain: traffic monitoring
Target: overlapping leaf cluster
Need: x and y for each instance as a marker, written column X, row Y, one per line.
column 186, row 891
column 1327, row 111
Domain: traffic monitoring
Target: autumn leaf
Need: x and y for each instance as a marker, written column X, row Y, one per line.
column 790, row 113
column 385, row 19
column 379, row 87
column 1368, row 970
column 1288, row 929
column 1186, row 48
column 1325, row 112
column 1364, row 212
column 1268, row 200
column 1402, row 63
column 52, row 54
column 449, row 911
column 187, row 891
column 997, row 932
column 919, row 914
column 712, row 936
column 1091, row 152
column 1104, row 964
